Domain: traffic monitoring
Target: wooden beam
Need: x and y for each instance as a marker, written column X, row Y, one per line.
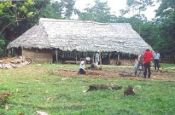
column 109, row 56
column 22, row 51
column 76, row 57
column 56, row 54
column 100, row 56
column 12, row 51
column 118, row 58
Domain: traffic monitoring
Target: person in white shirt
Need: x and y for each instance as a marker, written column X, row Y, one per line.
column 82, row 67
column 138, row 65
column 156, row 60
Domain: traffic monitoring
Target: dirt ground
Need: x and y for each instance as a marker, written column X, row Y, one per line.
column 156, row 75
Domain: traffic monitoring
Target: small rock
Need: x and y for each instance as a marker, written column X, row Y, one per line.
column 41, row 113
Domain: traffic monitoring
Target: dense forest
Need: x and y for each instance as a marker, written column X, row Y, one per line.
column 18, row 16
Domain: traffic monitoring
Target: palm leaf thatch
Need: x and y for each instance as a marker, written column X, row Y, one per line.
column 69, row 35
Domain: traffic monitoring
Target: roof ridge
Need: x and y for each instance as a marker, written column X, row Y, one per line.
column 80, row 21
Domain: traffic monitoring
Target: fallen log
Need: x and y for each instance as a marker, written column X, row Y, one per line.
column 95, row 87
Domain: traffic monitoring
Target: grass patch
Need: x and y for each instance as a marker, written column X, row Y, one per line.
column 33, row 88
column 168, row 67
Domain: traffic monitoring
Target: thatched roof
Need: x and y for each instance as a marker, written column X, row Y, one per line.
column 69, row 35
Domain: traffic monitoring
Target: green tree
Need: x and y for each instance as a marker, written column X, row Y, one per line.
column 67, row 8
column 18, row 16
column 50, row 11
column 166, row 19
column 136, row 6
column 100, row 12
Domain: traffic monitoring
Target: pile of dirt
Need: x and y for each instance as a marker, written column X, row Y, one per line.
column 13, row 62
column 126, row 74
column 102, row 73
column 163, row 75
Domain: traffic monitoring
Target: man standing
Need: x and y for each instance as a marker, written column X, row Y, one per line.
column 147, row 58
column 156, row 60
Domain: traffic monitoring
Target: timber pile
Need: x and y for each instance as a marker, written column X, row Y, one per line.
column 14, row 62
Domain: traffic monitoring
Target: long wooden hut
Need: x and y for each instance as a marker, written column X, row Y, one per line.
column 53, row 39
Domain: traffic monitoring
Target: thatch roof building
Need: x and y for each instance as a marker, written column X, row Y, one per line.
column 82, row 36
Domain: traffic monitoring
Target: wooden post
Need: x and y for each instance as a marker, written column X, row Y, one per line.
column 118, row 58
column 21, row 51
column 93, row 58
column 12, row 51
column 100, row 56
column 76, row 57
column 109, row 56
column 56, row 53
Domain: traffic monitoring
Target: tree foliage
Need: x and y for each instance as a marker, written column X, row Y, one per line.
column 100, row 12
column 160, row 32
column 166, row 20
column 67, row 8
column 18, row 16
column 136, row 6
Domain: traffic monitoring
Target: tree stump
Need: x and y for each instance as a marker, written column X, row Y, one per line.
column 129, row 91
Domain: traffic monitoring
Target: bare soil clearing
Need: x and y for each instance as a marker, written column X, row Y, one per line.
column 156, row 75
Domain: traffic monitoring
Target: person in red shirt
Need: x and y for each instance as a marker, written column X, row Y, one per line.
column 147, row 58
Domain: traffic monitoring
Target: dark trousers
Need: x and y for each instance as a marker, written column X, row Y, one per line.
column 156, row 64
column 147, row 70
column 82, row 71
